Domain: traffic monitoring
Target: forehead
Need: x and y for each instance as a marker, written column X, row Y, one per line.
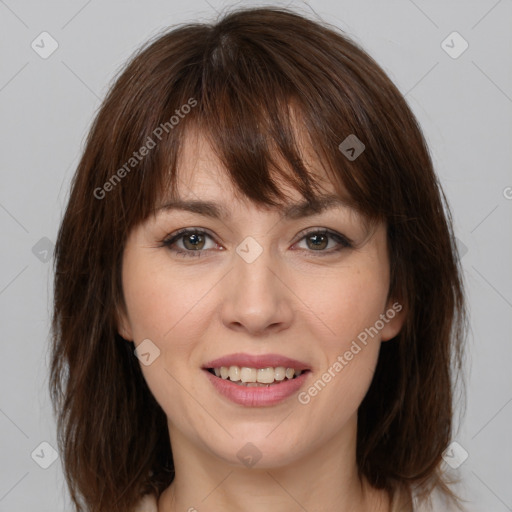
column 204, row 187
column 199, row 168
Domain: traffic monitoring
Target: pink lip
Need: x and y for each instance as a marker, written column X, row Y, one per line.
column 257, row 396
column 261, row 361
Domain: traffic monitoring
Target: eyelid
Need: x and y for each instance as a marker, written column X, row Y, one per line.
column 326, row 231
column 175, row 235
column 181, row 231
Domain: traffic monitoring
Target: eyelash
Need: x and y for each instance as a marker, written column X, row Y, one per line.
column 344, row 242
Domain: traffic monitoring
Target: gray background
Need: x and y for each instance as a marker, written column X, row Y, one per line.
column 464, row 106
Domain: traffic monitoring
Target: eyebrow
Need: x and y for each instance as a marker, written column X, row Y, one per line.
column 291, row 211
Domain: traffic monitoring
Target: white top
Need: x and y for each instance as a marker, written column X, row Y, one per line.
column 149, row 504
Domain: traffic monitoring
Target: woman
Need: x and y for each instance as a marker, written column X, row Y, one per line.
column 258, row 303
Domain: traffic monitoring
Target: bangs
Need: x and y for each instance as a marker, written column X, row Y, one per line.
column 262, row 113
column 267, row 155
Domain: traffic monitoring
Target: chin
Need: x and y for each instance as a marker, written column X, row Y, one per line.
column 258, row 449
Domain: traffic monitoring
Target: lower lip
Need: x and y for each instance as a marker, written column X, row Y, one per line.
column 257, row 396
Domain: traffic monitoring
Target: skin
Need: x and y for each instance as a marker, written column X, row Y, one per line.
column 291, row 300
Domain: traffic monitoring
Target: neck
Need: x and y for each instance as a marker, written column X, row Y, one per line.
column 319, row 480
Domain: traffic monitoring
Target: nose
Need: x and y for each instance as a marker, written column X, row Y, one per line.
column 256, row 298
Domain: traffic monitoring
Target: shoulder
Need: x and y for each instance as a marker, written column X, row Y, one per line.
column 147, row 504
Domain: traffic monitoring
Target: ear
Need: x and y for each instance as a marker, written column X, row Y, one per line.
column 123, row 325
column 394, row 318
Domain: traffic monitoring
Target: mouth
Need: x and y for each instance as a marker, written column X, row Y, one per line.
column 256, row 387
column 256, row 377
column 259, row 380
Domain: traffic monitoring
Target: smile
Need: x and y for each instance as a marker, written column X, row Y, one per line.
column 249, row 391
column 255, row 377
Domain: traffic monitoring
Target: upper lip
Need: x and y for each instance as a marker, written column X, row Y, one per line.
column 257, row 361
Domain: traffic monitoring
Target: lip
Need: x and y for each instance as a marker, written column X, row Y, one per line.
column 257, row 361
column 257, row 396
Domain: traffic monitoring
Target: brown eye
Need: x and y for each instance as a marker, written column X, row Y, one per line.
column 194, row 241
column 318, row 241
column 189, row 242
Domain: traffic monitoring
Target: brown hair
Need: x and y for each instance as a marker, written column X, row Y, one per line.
column 249, row 79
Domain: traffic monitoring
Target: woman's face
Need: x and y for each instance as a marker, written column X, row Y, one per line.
column 261, row 290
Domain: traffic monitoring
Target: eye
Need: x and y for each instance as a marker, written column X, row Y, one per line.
column 318, row 240
column 193, row 242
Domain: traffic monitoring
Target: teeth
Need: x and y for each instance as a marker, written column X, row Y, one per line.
column 279, row 373
column 234, row 373
column 265, row 375
column 252, row 377
column 247, row 374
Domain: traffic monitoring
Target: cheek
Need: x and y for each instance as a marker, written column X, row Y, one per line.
column 168, row 308
column 351, row 312
column 165, row 308
column 350, row 304
column 159, row 300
